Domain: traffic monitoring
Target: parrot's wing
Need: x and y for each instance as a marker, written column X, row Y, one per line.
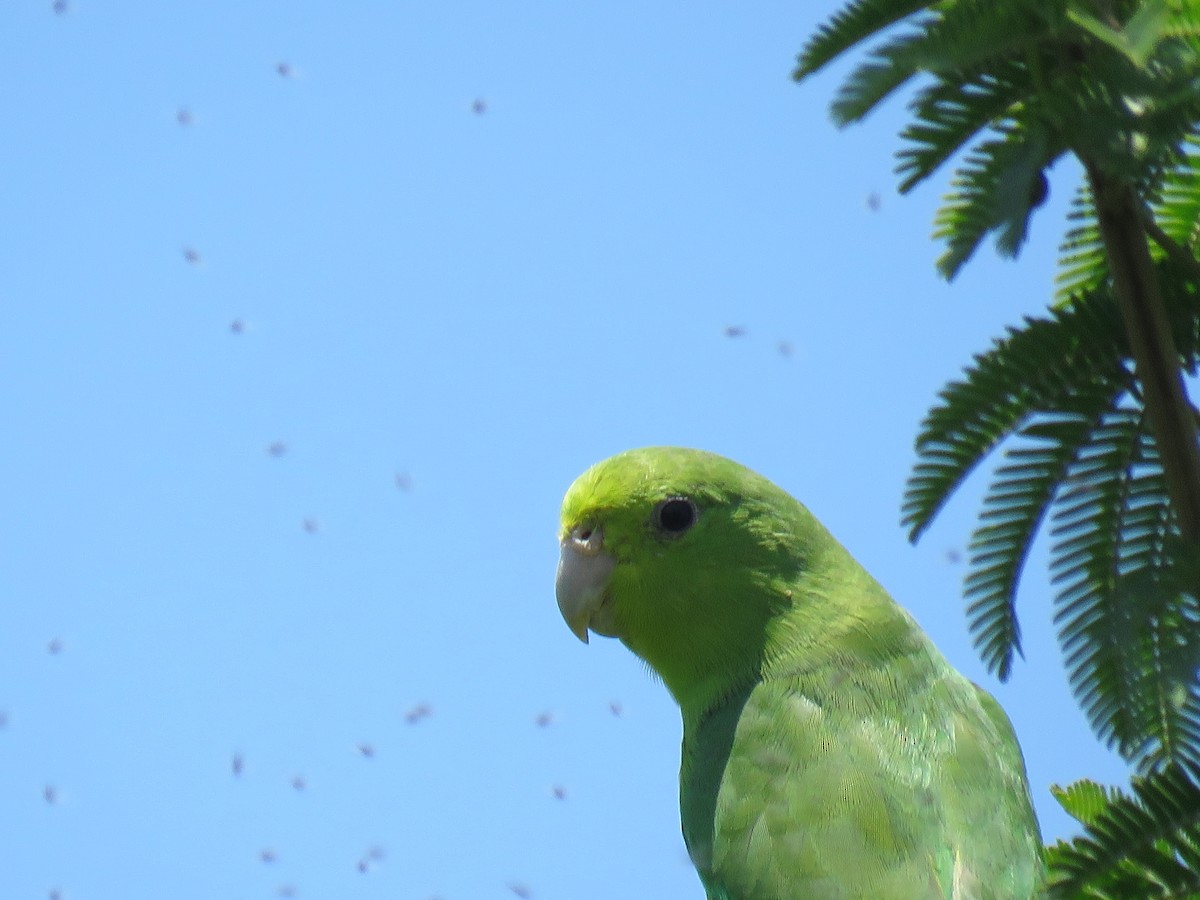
column 810, row 794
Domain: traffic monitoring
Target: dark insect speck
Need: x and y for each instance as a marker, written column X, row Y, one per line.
column 417, row 713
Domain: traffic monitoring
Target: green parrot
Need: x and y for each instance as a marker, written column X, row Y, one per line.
column 829, row 750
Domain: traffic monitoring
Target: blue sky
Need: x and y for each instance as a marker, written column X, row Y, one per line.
column 436, row 317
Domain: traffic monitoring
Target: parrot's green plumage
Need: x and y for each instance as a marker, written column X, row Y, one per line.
column 829, row 750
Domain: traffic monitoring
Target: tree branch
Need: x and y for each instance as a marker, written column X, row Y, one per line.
column 1155, row 356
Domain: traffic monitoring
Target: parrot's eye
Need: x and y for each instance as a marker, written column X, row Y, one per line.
column 675, row 516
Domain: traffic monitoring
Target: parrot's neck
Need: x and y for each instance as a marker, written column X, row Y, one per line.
column 834, row 621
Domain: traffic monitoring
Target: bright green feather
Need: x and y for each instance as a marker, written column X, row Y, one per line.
column 829, row 750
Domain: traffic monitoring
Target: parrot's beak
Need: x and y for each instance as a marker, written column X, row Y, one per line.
column 580, row 586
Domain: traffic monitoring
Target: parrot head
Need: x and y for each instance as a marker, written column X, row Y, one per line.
column 689, row 559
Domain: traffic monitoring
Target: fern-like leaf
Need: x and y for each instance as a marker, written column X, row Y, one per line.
column 1013, row 509
column 1082, row 261
column 1177, row 209
column 868, row 85
column 1012, row 86
column 1061, row 389
column 958, row 38
column 851, row 25
column 1124, row 607
column 1174, row 204
column 965, row 34
column 1146, row 845
column 1033, row 369
column 994, row 189
column 1096, row 632
column 947, row 114
column 1181, row 296
column 1049, row 384
column 1084, row 800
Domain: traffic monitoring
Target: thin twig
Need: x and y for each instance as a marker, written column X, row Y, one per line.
column 1174, row 251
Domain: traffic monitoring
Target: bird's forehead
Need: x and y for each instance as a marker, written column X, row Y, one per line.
column 600, row 494
column 627, row 485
